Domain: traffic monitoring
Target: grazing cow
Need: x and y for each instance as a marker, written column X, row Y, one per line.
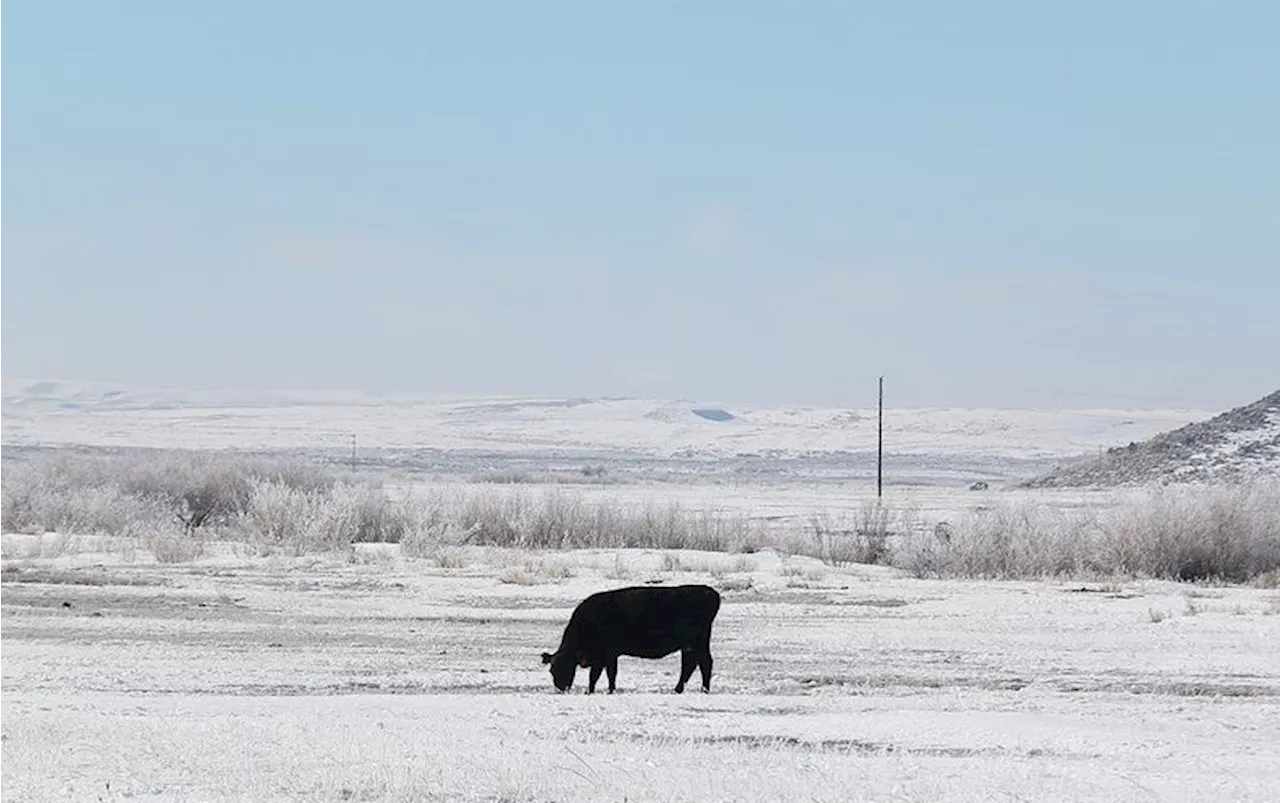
column 643, row 621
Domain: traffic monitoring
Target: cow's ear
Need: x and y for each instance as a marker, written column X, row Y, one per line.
column 547, row 658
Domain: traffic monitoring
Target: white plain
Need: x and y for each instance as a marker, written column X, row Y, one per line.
column 372, row 677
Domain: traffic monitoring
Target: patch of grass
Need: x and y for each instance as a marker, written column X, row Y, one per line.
column 172, row 547
column 1268, row 579
column 735, row 583
column 449, row 558
column 1203, row 534
column 379, row 555
column 536, row 572
column 508, row 476
column 792, row 570
column 619, row 570
column 1197, row 592
column 1206, row 534
column 73, row 577
column 519, row 575
column 865, row 537
column 585, row 475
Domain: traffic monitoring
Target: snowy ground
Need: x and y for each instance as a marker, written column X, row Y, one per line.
column 783, row 466
column 378, row 678
column 800, row 506
column 99, row 415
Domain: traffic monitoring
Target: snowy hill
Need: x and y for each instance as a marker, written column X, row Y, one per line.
column 1237, row 444
column 65, row 413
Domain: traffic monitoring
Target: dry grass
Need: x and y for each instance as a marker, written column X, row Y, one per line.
column 538, row 571
column 1217, row 534
column 1208, row 534
column 171, row 546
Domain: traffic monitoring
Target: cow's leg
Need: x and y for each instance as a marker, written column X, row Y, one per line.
column 688, row 661
column 704, row 659
column 704, row 664
column 611, row 670
column 596, row 669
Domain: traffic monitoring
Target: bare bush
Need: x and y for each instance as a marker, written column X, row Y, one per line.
column 586, row 475
column 557, row 519
column 506, row 476
column 112, row 493
column 1220, row 533
column 296, row 521
column 52, row 503
column 1007, row 541
column 163, row 501
column 171, row 545
column 864, row 537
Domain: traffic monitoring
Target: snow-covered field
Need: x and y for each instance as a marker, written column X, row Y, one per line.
column 787, row 465
column 374, row 677
column 98, row 415
column 378, row 678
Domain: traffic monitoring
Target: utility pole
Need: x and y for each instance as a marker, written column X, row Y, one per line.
column 880, row 442
column 353, row 453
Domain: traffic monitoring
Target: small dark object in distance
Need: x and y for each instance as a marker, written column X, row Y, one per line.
column 980, row 485
column 713, row 414
column 641, row 621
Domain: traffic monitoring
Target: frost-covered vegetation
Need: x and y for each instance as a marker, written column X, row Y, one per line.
column 174, row 502
column 297, row 508
column 242, row 678
column 1227, row 533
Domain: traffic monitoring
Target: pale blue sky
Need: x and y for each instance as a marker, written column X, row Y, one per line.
column 997, row 204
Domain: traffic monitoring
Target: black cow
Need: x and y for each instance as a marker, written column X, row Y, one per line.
column 643, row 621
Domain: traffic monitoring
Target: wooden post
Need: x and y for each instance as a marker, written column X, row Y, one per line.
column 880, row 442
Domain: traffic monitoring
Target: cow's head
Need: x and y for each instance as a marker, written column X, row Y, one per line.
column 564, row 666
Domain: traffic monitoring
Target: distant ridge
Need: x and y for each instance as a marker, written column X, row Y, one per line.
column 48, row 413
column 1238, row 444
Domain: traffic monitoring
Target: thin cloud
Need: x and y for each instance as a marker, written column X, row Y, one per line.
column 711, row 232
column 342, row 255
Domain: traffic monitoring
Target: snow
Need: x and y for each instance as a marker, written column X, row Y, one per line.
column 371, row 676
column 66, row 413
column 784, row 466
column 381, row 678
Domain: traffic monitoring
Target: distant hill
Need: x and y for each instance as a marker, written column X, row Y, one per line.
column 959, row 442
column 1237, row 444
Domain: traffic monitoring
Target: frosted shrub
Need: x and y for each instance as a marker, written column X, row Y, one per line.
column 866, row 536
column 1222, row 533
column 169, row 544
column 162, row 500
column 276, row 517
column 429, row 527
column 493, row 519
column 51, row 506
column 111, row 493
column 297, row 521
column 1226, row 533
column 1023, row 540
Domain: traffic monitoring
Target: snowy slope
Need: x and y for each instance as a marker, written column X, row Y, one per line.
column 1240, row 443
column 49, row 413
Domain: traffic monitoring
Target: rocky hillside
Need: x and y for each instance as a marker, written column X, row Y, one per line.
column 1238, row 444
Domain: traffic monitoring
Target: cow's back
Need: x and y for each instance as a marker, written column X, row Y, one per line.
column 646, row 621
